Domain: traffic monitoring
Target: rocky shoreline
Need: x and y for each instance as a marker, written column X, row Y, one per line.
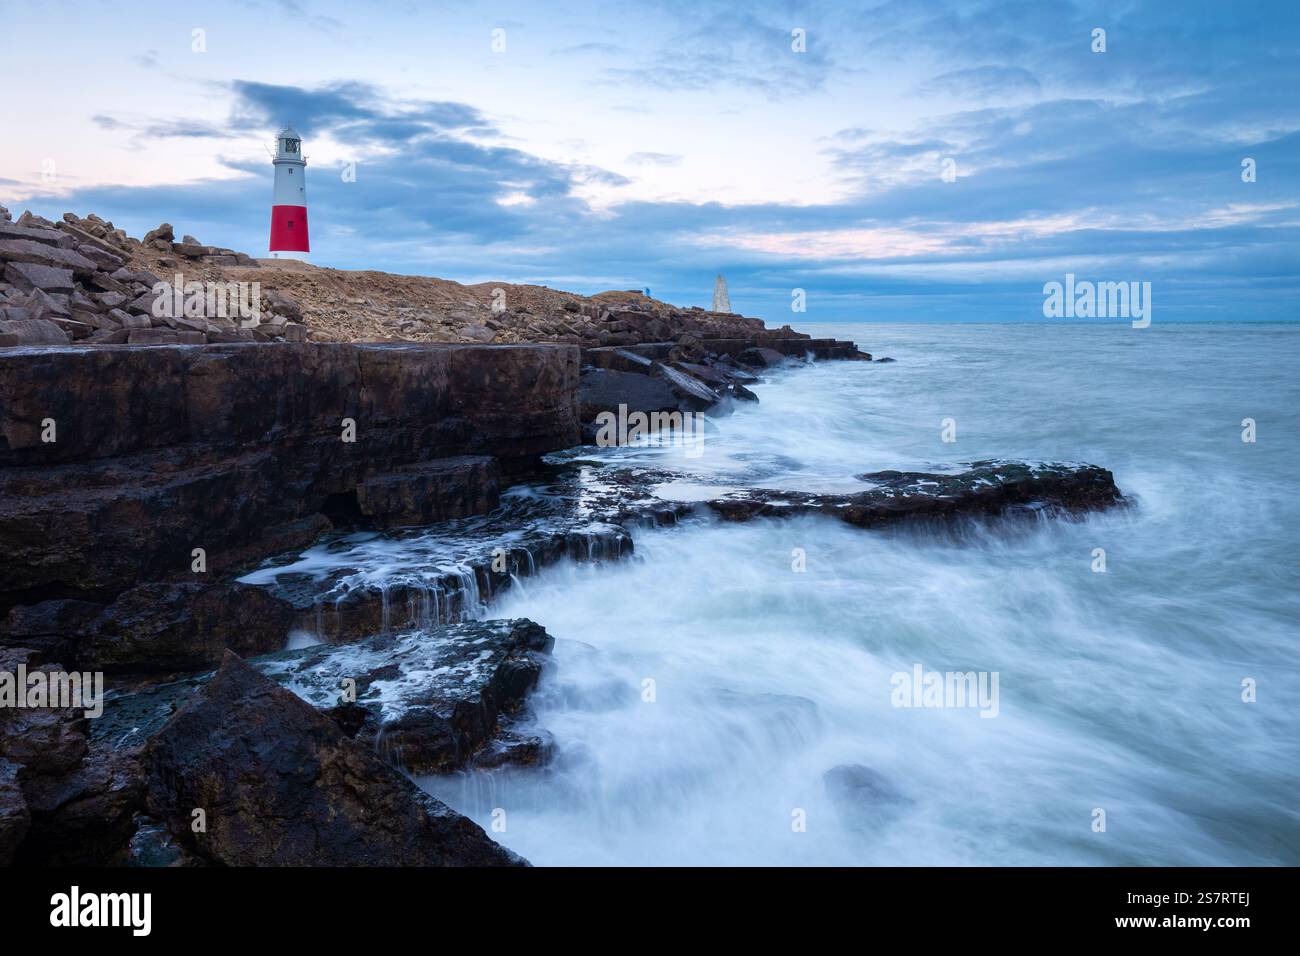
column 197, row 522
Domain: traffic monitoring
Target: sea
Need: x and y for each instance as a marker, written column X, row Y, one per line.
column 745, row 694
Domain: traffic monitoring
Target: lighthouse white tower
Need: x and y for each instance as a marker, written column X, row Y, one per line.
column 289, row 201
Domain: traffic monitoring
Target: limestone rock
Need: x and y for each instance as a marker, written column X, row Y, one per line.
column 183, row 626
column 283, row 786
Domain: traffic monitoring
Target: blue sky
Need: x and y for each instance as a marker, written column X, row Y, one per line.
column 602, row 145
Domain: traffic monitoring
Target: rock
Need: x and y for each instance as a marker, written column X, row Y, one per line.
column 619, row 359
column 282, row 786
column 51, row 237
column 604, row 390
column 286, row 305
column 862, row 792
column 692, row 394
column 47, row 305
column 428, row 699
column 105, row 321
column 152, row 846
column 432, row 491
column 294, row 332
column 26, row 276
column 49, row 629
column 143, row 304
column 477, row 333
column 76, row 329
column 736, row 390
column 108, row 284
column 84, row 817
column 761, row 358
column 31, row 332
column 46, row 741
column 183, row 626
column 153, row 337
column 31, row 220
column 42, row 254
column 109, row 337
column 239, row 450
column 162, row 233
column 106, row 261
column 987, row 489
column 885, row 359
column 14, row 816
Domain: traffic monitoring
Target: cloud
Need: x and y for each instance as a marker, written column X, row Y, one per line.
column 655, row 159
column 983, row 82
column 1124, row 165
column 734, row 49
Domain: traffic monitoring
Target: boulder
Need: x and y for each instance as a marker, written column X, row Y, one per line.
column 163, row 232
column 43, row 254
column 759, row 357
column 49, row 237
column 49, row 629
column 692, row 394
column 47, row 305
column 108, row 337
column 281, row 785
column 604, row 390
column 75, row 328
column 85, row 816
column 46, row 741
column 153, row 336
column 26, row 276
column 31, row 332
column 286, row 305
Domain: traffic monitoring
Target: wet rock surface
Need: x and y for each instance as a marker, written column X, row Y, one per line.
column 426, row 700
column 985, row 489
column 240, row 451
column 281, row 784
column 351, row 585
column 690, row 375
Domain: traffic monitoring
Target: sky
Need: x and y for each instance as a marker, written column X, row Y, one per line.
column 894, row 161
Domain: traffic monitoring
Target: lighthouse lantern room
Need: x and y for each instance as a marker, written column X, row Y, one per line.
column 289, row 201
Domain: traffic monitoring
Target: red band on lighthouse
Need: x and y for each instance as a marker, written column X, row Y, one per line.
column 289, row 229
column 289, row 200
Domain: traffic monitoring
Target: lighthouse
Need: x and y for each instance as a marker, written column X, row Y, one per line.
column 289, row 201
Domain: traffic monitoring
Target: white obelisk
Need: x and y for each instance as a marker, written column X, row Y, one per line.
column 721, row 301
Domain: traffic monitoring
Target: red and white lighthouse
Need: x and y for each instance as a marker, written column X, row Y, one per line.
column 289, row 201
